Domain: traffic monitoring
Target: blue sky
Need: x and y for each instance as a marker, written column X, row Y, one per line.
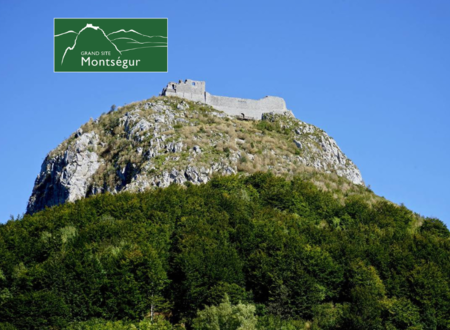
column 374, row 74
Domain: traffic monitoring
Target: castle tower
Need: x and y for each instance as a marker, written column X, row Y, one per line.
column 189, row 89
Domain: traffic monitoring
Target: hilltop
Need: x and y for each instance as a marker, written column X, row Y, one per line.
column 165, row 140
column 171, row 214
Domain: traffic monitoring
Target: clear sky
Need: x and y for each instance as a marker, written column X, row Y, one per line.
column 374, row 74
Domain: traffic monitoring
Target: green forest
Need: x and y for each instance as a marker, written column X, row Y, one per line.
column 240, row 252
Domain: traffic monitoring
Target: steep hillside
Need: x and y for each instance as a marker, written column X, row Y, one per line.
column 166, row 139
column 287, row 254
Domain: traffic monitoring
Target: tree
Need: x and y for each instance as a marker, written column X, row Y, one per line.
column 226, row 317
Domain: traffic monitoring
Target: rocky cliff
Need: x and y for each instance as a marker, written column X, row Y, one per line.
column 167, row 140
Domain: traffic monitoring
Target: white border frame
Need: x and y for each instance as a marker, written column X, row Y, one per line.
column 167, row 22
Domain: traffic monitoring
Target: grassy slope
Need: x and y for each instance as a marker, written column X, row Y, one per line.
column 261, row 145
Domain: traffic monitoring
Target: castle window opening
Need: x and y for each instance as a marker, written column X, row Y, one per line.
column 193, row 83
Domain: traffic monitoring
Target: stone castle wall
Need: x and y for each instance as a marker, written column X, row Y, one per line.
column 253, row 109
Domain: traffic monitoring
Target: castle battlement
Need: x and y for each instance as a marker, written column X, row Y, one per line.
column 250, row 109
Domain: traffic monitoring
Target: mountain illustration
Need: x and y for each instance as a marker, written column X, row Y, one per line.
column 94, row 38
column 90, row 38
column 131, row 39
column 67, row 39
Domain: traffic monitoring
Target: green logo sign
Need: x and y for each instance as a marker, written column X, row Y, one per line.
column 110, row 44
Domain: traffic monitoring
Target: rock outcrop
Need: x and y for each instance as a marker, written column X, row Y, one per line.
column 66, row 177
column 168, row 140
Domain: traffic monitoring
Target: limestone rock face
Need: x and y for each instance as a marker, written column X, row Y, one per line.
column 167, row 140
column 65, row 177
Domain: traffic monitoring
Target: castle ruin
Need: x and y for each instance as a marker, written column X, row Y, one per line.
column 244, row 108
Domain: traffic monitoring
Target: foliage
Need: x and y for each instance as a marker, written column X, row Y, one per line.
column 226, row 317
column 285, row 253
column 100, row 324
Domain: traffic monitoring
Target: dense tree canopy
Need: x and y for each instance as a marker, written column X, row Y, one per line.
column 293, row 255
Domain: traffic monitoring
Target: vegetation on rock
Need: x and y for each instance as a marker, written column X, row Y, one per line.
column 162, row 140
